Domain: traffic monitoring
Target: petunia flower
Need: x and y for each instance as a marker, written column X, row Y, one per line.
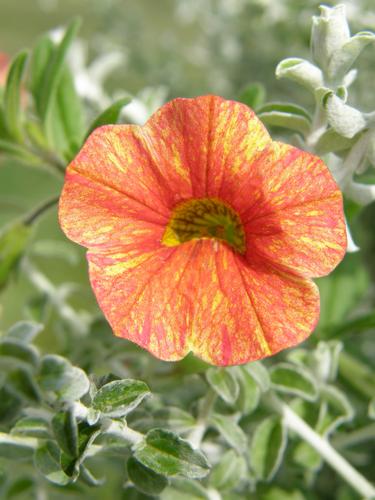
column 203, row 233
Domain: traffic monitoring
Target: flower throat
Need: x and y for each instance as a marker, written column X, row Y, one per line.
column 205, row 218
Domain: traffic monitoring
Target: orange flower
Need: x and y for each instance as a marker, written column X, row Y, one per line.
column 203, row 234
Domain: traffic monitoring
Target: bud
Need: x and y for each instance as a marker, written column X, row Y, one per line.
column 330, row 31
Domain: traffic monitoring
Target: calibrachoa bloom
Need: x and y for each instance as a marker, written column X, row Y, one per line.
column 202, row 232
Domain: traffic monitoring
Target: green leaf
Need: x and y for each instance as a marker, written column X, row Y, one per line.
column 175, row 418
column 331, row 142
column 293, row 379
column 47, row 461
column 12, row 96
column 300, row 71
column 344, row 119
column 87, row 477
column 230, row 431
column 145, row 480
column 24, row 331
column 10, row 404
column 305, row 456
column 86, row 436
column 167, row 454
column 253, row 95
column 338, row 410
column 249, row 390
column 109, row 115
column 13, row 242
column 120, row 397
column 343, row 59
column 228, row 473
column 70, row 114
column 224, row 384
column 185, row 489
column 19, row 352
column 31, row 427
column 68, row 382
column 65, row 429
column 267, row 448
column 22, row 382
column 15, row 447
column 40, row 64
column 259, row 373
column 286, row 115
column 50, row 83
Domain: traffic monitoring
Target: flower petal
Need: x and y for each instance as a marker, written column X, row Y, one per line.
column 144, row 297
column 296, row 219
column 243, row 311
column 194, row 142
column 203, row 297
column 111, row 197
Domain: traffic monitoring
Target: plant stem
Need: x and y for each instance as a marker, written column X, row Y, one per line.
column 197, row 433
column 318, row 127
column 124, row 432
column 325, row 449
column 39, row 211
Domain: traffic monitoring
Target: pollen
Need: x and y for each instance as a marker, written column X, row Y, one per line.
column 205, row 218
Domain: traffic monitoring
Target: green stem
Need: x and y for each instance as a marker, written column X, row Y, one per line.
column 31, row 218
column 124, row 432
column 324, row 448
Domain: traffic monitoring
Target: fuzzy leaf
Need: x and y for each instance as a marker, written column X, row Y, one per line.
column 175, row 418
column 249, row 390
column 24, row 331
column 57, row 375
column 31, row 427
column 332, row 142
column 167, row 454
column 146, row 480
column 65, row 429
column 16, row 447
column 19, row 352
column 224, row 384
column 120, row 397
column 230, row 431
column 343, row 59
column 228, row 472
column 300, row 71
column 286, row 115
column 344, row 119
column 47, row 461
column 267, row 448
column 294, row 380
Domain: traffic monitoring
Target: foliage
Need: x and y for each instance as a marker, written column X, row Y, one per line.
column 83, row 413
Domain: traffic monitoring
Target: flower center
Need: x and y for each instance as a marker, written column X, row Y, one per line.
column 205, row 218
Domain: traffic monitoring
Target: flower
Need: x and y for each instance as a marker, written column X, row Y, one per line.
column 202, row 232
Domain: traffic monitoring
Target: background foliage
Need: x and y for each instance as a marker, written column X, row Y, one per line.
column 68, row 387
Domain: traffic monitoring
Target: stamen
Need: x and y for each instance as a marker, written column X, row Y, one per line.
column 205, row 218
